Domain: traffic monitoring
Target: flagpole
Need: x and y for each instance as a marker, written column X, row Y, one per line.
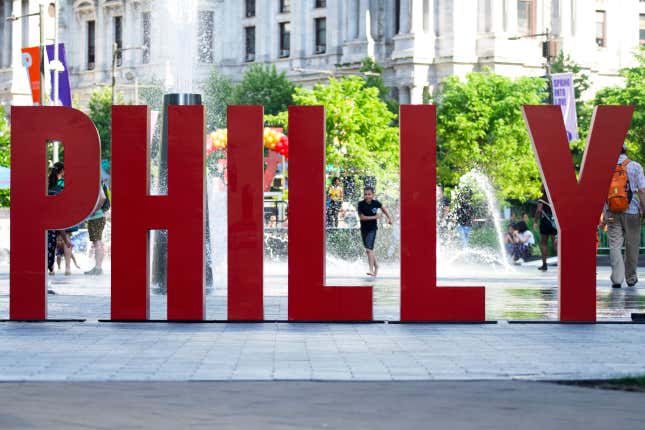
column 56, row 71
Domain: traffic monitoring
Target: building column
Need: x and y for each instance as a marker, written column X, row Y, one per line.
column 416, row 94
column 415, row 15
column 361, row 19
column 16, row 36
column 103, row 42
column 352, row 19
column 405, row 18
column 428, row 16
column 511, row 17
column 20, row 92
column 498, row 9
column 404, row 95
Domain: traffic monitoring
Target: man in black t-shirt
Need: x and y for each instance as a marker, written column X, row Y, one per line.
column 368, row 214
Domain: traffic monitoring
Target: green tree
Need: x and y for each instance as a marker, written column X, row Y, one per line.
column 480, row 125
column 218, row 91
column 151, row 94
column 633, row 93
column 263, row 85
column 360, row 139
column 100, row 107
column 5, row 153
column 372, row 73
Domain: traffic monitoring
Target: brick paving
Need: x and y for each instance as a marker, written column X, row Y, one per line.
column 94, row 351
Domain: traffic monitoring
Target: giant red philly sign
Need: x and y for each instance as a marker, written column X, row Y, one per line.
column 577, row 205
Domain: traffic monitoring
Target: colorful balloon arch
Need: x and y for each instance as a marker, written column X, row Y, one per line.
column 274, row 140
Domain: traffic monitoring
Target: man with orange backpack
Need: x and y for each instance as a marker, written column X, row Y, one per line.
column 622, row 216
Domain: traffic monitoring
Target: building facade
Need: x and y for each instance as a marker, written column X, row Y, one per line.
column 176, row 43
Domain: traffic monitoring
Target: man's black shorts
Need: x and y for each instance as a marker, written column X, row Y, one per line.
column 547, row 228
column 369, row 237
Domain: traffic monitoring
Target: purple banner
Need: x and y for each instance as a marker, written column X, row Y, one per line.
column 64, row 91
column 564, row 96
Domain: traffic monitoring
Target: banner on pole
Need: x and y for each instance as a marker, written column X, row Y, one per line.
column 564, row 96
column 31, row 61
column 60, row 67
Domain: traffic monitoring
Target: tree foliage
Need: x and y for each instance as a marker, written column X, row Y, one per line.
column 372, row 73
column 151, row 94
column 633, row 93
column 100, row 107
column 263, row 85
column 480, row 125
column 5, row 153
column 218, row 91
column 359, row 138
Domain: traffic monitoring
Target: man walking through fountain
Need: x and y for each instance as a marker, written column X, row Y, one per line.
column 623, row 219
column 368, row 214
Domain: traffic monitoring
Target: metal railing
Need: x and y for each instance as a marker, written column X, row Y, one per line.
column 603, row 245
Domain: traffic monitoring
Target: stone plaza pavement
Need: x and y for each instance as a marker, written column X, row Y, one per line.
column 99, row 351
column 93, row 351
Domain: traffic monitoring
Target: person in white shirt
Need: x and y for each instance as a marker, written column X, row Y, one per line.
column 523, row 238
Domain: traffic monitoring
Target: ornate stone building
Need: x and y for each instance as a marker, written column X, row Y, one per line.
column 419, row 42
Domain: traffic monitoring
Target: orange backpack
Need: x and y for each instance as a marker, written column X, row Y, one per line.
column 620, row 194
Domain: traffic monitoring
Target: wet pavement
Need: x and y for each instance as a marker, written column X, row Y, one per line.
column 95, row 351
column 521, row 293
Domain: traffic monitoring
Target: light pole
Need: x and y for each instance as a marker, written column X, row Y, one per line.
column 53, row 12
column 547, row 46
column 334, row 73
column 548, row 52
column 115, row 52
column 41, row 23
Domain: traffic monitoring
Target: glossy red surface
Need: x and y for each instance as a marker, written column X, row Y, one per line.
column 309, row 298
column 421, row 298
column 135, row 212
column 245, row 155
column 33, row 212
column 577, row 203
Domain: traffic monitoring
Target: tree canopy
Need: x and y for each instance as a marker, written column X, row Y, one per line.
column 372, row 73
column 480, row 125
column 359, row 138
column 263, row 85
column 633, row 93
column 100, row 107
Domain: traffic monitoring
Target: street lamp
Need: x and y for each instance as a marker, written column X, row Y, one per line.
column 41, row 23
column 115, row 51
column 55, row 65
column 333, row 73
column 548, row 47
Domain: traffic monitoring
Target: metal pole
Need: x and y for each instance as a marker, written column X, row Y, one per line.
column 56, row 58
column 41, row 18
column 115, row 48
column 136, row 89
column 56, row 77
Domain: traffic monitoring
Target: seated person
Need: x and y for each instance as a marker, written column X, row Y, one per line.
column 509, row 238
column 522, row 241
